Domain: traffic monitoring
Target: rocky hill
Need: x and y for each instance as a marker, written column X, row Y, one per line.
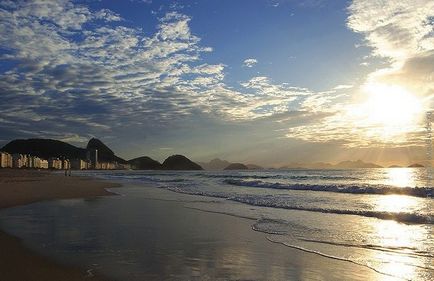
column 45, row 148
column 236, row 166
column 145, row 163
column 105, row 154
column 180, row 162
column 254, row 167
column 341, row 165
column 218, row 164
column 355, row 164
column 215, row 164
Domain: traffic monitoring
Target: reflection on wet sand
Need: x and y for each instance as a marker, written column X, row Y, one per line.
column 404, row 252
column 136, row 239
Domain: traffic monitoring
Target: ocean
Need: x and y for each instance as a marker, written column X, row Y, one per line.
column 380, row 219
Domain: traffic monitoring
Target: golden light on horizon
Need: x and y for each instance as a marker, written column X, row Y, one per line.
column 389, row 111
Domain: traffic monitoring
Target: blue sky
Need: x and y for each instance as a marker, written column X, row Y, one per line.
column 264, row 81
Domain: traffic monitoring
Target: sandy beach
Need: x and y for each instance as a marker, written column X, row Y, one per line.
column 19, row 187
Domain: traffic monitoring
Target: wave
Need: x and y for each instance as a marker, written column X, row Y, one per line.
column 353, row 189
column 282, row 227
column 286, row 176
column 272, row 226
column 268, row 201
column 333, row 257
column 404, row 217
column 409, row 251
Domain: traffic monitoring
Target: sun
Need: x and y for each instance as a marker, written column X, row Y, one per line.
column 389, row 110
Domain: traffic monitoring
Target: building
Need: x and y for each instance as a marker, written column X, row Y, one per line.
column 106, row 166
column 55, row 163
column 19, row 160
column 66, row 165
column 123, row 166
column 33, row 162
column 5, row 160
column 43, row 164
column 79, row 164
column 92, row 156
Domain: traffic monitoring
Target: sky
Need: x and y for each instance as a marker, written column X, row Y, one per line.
column 269, row 82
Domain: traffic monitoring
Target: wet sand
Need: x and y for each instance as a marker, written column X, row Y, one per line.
column 20, row 187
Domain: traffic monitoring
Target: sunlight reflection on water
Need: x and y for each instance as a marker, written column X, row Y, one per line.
column 401, row 177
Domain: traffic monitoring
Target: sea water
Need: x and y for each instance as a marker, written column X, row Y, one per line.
column 381, row 219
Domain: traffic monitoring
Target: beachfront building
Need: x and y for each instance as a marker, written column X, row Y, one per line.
column 5, row 160
column 66, row 165
column 79, row 164
column 19, row 160
column 33, row 162
column 92, row 157
column 112, row 166
column 43, row 164
column 123, row 166
column 105, row 166
column 55, row 163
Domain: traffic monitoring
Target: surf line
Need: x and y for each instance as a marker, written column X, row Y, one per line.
column 334, row 257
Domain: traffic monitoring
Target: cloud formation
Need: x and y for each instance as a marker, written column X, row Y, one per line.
column 79, row 72
column 250, row 62
column 403, row 33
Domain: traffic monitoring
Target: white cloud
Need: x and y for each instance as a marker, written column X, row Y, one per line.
column 394, row 29
column 402, row 32
column 250, row 62
column 343, row 87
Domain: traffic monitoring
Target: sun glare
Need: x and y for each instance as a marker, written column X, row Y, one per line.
column 389, row 110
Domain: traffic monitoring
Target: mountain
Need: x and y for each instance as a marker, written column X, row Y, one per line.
column 254, row 167
column 355, row 164
column 179, row 162
column 340, row 165
column 218, row 164
column 145, row 163
column 105, row 154
column 321, row 165
column 416, row 165
column 317, row 165
column 215, row 164
column 236, row 166
column 45, row 148
column 395, row 166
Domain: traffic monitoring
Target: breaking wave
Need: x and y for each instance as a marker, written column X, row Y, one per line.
column 354, row 189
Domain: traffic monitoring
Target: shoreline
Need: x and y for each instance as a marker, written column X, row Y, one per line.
column 23, row 187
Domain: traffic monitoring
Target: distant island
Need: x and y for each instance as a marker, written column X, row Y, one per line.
column 218, row 164
column 236, row 166
column 416, row 165
column 341, row 165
